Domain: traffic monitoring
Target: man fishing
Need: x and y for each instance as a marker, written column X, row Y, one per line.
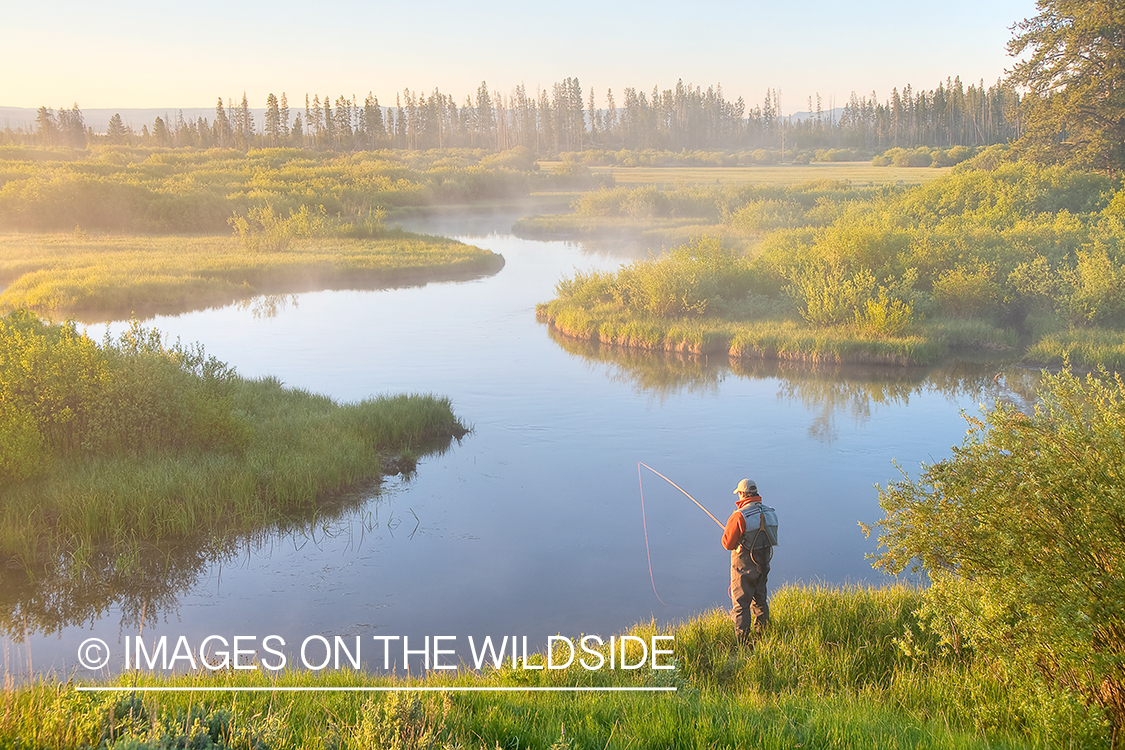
column 750, row 535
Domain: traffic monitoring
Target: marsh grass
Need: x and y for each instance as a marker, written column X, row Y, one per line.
column 137, row 439
column 99, row 277
column 841, row 668
column 861, row 173
column 773, row 338
column 1081, row 348
column 303, row 449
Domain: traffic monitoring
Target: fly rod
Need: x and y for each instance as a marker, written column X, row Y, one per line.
column 678, row 487
column 644, row 522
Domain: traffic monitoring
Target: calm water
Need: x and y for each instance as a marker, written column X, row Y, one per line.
column 531, row 525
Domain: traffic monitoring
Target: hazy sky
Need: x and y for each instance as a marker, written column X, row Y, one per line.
column 130, row 53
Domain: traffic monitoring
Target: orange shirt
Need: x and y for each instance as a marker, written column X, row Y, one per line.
column 736, row 524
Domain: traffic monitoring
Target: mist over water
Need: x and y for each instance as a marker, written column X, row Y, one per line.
column 531, row 524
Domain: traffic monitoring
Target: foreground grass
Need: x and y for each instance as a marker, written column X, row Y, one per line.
column 841, row 668
column 99, row 277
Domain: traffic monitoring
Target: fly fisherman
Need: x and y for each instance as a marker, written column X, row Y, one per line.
column 750, row 535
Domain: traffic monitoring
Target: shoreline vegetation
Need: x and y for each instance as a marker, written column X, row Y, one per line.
column 998, row 258
column 113, row 277
column 121, row 231
column 840, row 667
column 138, row 443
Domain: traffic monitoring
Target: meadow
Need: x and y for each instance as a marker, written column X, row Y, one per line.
column 94, row 277
column 840, row 668
column 856, row 173
column 115, row 231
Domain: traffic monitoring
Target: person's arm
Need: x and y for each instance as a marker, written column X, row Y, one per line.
column 735, row 528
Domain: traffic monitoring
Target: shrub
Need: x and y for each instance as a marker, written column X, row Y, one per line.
column 1096, row 289
column 884, row 316
column 261, row 229
column 827, row 296
column 964, row 293
column 691, row 279
column 1021, row 534
column 22, row 450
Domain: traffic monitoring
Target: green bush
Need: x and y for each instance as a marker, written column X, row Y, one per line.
column 964, row 293
column 1022, row 533
column 62, row 394
column 826, row 295
column 692, row 279
column 1096, row 289
column 262, row 229
column 22, row 450
column 884, row 316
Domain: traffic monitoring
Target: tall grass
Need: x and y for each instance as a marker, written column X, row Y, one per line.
column 1081, row 348
column 841, row 668
column 139, row 441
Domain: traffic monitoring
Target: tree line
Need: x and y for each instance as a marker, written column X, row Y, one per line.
column 565, row 118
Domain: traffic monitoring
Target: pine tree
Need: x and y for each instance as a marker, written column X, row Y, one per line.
column 273, row 121
column 46, row 128
column 373, row 128
column 283, row 116
column 222, row 126
column 245, row 123
column 116, row 133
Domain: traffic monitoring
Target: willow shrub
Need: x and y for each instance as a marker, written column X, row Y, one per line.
column 61, row 394
column 1022, row 533
column 262, row 229
column 692, row 279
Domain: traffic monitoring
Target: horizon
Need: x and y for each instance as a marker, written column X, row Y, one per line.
column 815, row 48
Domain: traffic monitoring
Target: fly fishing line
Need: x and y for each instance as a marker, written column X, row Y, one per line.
column 644, row 522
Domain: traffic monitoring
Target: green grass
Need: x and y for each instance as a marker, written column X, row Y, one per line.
column 302, row 450
column 1081, row 348
column 99, row 277
column 776, row 338
column 841, row 668
column 858, row 173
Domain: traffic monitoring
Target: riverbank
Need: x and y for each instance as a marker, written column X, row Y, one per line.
column 840, row 668
column 107, row 277
column 784, row 340
column 1005, row 260
column 135, row 443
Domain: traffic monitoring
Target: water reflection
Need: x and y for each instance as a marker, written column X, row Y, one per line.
column 827, row 391
column 268, row 305
column 144, row 582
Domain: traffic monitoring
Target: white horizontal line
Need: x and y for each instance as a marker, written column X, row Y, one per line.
column 361, row 689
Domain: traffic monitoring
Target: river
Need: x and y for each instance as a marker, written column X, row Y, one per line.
column 532, row 524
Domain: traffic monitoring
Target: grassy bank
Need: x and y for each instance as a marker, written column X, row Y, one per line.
column 99, row 277
column 840, row 669
column 992, row 258
column 137, row 442
column 785, row 339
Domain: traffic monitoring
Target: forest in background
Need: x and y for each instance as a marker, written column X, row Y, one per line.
column 565, row 118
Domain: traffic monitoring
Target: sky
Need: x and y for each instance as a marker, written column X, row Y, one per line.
column 141, row 54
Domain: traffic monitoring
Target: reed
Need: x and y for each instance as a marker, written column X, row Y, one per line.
column 842, row 667
column 1081, row 348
